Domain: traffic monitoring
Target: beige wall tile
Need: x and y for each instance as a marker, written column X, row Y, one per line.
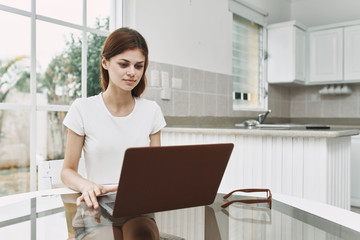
column 312, row 93
column 273, row 104
column 209, row 82
column 279, row 101
column 297, row 109
column 349, row 109
column 352, row 97
column 313, row 109
column 163, row 67
column 278, row 92
column 222, row 106
column 181, row 103
column 196, row 82
column 150, row 93
column 196, row 104
column 184, row 74
column 330, row 108
column 165, row 105
column 285, row 109
column 223, row 84
column 298, row 93
column 209, row 105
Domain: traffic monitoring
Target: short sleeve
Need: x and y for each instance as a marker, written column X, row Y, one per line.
column 74, row 119
column 159, row 120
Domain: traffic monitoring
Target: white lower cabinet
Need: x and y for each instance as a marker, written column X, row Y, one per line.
column 312, row 168
column 355, row 171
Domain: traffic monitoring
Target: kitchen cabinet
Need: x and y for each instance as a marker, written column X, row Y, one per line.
column 326, row 56
column 355, row 171
column 286, row 53
column 335, row 55
column 352, row 53
column 312, row 56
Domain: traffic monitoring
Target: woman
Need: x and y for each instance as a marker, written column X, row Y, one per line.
column 104, row 126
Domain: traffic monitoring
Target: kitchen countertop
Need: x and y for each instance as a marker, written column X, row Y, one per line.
column 333, row 132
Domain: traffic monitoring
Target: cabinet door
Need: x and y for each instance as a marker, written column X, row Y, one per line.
column 300, row 68
column 280, row 55
column 286, row 60
column 355, row 170
column 352, row 53
column 326, row 56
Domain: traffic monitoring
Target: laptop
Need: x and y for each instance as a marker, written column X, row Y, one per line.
column 155, row 179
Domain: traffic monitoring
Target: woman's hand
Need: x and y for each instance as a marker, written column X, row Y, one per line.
column 91, row 191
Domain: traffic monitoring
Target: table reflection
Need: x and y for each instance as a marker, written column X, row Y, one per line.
column 58, row 217
column 213, row 222
column 89, row 223
column 248, row 221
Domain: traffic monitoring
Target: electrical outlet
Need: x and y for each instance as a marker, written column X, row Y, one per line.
column 166, row 93
column 165, row 81
column 155, row 78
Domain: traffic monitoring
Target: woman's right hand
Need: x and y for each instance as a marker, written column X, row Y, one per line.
column 91, row 191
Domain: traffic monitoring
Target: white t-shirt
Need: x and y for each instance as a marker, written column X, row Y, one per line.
column 107, row 137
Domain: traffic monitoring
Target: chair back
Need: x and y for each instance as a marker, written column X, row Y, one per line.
column 49, row 173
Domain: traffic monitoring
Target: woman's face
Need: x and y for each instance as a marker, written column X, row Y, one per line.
column 125, row 69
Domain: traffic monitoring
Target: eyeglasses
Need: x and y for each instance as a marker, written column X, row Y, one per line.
column 249, row 190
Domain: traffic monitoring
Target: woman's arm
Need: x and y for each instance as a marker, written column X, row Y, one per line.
column 71, row 177
column 69, row 172
column 155, row 139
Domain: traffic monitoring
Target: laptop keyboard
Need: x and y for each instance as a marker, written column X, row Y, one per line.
column 110, row 204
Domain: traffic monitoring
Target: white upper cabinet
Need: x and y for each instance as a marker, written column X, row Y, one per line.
column 326, row 56
column 300, row 55
column 318, row 55
column 286, row 53
column 352, row 53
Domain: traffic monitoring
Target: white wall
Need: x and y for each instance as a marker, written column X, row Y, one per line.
column 323, row 12
column 197, row 33
column 192, row 33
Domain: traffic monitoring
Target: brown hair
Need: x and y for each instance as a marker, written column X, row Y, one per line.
column 119, row 41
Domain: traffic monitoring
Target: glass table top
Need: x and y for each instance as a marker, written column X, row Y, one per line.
column 57, row 217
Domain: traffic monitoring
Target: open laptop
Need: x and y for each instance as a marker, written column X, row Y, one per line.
column 155, row 179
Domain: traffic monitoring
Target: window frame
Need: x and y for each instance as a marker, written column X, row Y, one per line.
column 263, row 84
column 33, row 107
column 252, row 13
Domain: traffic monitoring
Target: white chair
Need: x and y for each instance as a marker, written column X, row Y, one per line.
column 49, row 177
column 49, row 173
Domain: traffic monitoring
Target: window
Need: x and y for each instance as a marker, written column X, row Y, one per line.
column 49, row 56
column 249, row 85
column 248, row 65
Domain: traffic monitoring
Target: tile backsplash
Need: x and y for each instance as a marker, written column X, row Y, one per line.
column 202, row 93
column 307, row 102
column 209, row 94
